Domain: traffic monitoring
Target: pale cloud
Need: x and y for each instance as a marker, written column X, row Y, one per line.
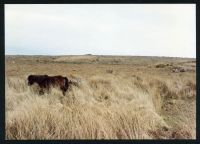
column 113, row 29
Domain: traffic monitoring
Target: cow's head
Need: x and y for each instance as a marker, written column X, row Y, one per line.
column 30, row 80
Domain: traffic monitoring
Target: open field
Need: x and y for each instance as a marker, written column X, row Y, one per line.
column 118, row 98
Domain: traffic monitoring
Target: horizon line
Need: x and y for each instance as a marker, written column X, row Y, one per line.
column 97, row 55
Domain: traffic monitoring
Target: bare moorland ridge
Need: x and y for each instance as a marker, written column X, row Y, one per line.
column 118, row 98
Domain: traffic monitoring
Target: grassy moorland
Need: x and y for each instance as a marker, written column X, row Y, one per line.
column 118, row 98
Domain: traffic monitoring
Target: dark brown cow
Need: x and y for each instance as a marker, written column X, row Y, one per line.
column 45, row 82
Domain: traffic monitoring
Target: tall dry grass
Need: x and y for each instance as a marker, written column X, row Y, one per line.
column 105, row 106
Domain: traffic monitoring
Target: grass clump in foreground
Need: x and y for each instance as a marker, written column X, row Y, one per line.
column 102, row 107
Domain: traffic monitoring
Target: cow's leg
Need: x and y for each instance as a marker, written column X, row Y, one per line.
column 63, row 93
column 41, row 92
column 48, row 89
column 63, row 90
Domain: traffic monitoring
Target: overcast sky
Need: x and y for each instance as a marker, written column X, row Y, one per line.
column 112, row 29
